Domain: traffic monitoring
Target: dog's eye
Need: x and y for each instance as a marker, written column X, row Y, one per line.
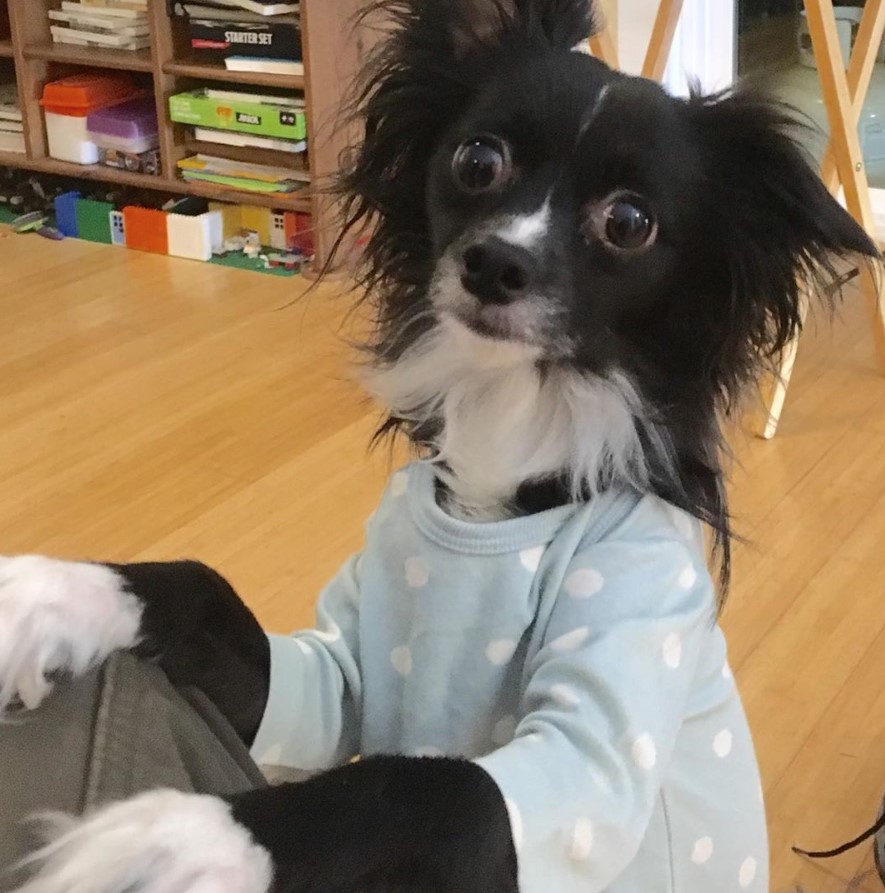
column 623, row 222
column 482, row 164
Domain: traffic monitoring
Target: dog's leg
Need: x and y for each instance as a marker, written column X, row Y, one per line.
column 384, row 824
column 64, row 617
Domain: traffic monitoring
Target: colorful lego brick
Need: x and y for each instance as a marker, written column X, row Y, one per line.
column 66, row 214
column 257, row 220
column 118, row 228
column 146, row 229
column 94, row 221
column 196, row 236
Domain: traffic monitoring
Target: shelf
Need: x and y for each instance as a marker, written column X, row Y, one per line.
column 217, row 72
column 6, row 49
column 300, row 201
column 122, row 60
column 13, row 159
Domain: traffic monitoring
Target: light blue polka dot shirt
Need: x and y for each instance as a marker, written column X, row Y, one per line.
column 573, row 654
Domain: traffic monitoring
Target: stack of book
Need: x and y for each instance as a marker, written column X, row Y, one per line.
column 248, row 35
column 12, row 135
column 244, row 119
column 113, row 24
column 241, row 175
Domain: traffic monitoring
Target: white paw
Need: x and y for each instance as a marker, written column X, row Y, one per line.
column 58, row 616
column 159, row 842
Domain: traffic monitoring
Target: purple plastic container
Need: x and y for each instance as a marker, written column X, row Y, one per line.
column 128, row 127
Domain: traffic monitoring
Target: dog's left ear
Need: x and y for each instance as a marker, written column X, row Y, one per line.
column 775, row 228
column 563, row 24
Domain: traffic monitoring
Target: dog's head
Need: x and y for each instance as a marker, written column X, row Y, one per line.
column 576, row 275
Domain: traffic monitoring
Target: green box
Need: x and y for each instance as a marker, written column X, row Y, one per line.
column 94, row 220
column 240, row 115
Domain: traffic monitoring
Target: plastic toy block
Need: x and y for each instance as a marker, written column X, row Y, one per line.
column 94, row 221
column 146, row 229
column 66, row 214
column 197, row 236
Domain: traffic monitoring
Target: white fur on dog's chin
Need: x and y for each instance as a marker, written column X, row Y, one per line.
column 506, row 421
column 58, row 616
column 159, row 842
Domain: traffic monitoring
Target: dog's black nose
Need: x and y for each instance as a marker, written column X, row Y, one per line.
column 497, row 272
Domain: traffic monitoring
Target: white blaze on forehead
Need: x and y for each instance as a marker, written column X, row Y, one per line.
column 591, row 115
column 526, row 230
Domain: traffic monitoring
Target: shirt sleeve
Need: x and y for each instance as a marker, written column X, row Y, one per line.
column 605, row 698
column 312, row 718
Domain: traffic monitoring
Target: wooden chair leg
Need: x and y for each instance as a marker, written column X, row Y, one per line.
column 662, row 35
column 844, row 96
column 774, row 391
column 603, row 47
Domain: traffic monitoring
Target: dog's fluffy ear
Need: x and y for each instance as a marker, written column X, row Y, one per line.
column 484, row 23
column 777, row 228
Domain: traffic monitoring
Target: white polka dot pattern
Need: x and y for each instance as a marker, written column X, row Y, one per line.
column 584, row 583
column 571, row 641
column 417, row 573
column 401, row 660
column 748, row 872
column 645, row 753
column 703, row 851
column 687, row 578
column 671, row 651
column 499, row 652
column 723, row 743
column 582, row 840
column 530, row 559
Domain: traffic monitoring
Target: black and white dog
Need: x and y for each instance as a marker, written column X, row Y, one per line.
column 642, row 254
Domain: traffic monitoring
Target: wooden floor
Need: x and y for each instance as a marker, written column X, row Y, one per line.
column 155, row 408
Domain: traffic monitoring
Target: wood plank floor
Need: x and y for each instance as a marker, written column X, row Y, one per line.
column 155, row 408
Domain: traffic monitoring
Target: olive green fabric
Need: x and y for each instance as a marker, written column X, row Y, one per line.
column 120, row 730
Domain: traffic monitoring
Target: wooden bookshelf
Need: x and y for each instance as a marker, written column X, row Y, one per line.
column 92, row 57
column 217, row 72
column 332, row 54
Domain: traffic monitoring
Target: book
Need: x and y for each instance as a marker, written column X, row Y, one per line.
column 229, row 167
column 245, row 141
column 119, row 12
column 265, row 66
column 226, row 14
column 102, row 25
column 9, row 107
column 265, row 39
column 139, row 5
column 244, row 113
column 263, row 9
column 11, row 127
column 12, row 142
column 243, row 184
column 76, row 37
column 287, row 100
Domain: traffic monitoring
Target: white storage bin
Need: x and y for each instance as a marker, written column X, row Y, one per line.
column 69, row 139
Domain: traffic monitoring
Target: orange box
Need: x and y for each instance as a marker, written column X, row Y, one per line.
column 146, row 229
column 80, row 94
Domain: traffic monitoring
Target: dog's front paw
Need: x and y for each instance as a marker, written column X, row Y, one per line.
column 58, row 616
column 159, row 842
